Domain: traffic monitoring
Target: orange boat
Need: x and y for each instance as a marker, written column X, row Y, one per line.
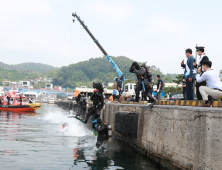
column 13, row 101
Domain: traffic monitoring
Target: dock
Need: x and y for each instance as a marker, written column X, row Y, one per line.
column 181, row 133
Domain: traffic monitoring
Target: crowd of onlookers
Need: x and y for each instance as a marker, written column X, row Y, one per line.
column 207, row 81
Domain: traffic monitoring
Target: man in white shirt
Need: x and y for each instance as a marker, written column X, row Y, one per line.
column 214, row 84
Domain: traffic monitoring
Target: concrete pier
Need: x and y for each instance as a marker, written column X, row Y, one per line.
column 187, row 137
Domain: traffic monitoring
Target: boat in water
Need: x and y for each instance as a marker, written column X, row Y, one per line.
column 51, row 101
column 13, row 101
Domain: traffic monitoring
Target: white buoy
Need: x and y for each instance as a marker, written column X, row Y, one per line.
column 109, row 130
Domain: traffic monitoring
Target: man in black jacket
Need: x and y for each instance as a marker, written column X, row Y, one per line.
column 202, row 58
column 119, row 86
column 98, row 103
column 81, row 104
column 144, row 81
column 102, row 130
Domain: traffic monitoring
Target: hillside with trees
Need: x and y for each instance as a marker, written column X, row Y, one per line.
column 75, row 75
column 31, row 71
column 28, row 67
column 99, row 70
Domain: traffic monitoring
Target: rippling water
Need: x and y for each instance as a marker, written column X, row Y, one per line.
column 35, row 141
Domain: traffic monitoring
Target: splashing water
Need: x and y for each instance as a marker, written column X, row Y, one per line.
column 74, row 128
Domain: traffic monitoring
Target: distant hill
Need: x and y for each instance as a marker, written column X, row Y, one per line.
column 76, row 75
column 96, row 70
column 28, row 67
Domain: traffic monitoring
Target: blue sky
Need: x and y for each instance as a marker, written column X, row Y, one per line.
column 144, row 30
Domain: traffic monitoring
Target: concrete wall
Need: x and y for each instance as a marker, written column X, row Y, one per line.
column 188, row 137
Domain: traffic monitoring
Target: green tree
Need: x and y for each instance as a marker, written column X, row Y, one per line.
column 172, row 90
column 179, row 79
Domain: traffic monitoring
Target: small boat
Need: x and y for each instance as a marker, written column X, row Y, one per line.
column 13, row 101
column 51, row 101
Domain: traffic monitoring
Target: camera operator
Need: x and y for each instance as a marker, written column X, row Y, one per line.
column 214, row 84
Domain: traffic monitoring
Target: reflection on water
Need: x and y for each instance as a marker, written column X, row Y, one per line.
column 35, row 141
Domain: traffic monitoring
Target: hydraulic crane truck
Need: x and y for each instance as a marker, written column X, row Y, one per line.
column 119, row 72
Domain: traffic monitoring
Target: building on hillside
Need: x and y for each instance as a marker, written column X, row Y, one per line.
column 49, row 86
column 48, row 79
column 14, row 84
column 26, row 84
column 59, row 87
column 6, row 82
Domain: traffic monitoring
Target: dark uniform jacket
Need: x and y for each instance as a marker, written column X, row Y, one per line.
column 102, row 130
column 205, row 58
column 142, row 74
column 98, row 100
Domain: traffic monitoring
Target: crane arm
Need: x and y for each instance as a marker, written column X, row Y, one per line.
column 119, row 72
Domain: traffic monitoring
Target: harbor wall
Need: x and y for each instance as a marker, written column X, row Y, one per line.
column 187, row 137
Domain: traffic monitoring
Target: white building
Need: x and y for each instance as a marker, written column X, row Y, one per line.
column 2, row 91
column 31, row 94
column 26, row 84
column 49, row 86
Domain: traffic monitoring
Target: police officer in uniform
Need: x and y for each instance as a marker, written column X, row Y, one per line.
column 98, row 103
column 214, row 84
column 144, row 81
column 198, row 64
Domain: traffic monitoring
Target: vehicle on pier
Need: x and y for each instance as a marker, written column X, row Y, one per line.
column 129, row 89
column 13, row 101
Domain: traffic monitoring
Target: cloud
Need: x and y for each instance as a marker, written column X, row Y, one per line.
column 111, row 11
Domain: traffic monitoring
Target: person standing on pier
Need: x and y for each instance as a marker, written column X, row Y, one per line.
column 145, row 80
column 119, row 86
column 188, row 74
column 114, row 94
column 202, row 58
column 159, row 87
